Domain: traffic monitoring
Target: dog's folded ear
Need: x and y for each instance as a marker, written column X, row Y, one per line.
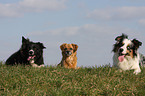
column 62, row 46
column 136, row 43
column 41, row 45
column 75, row 46
column 119, row 38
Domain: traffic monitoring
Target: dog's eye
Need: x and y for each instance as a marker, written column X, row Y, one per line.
column 71, row 49
column 65, row 48
column 122, row 44
column 128, row 47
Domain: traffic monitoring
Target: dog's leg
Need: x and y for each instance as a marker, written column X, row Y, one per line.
column 120, row 70
column 41, row 65
column 136, row 71
column 35, row 65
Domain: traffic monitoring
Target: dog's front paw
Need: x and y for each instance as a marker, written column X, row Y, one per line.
column 137, row 71
column 35, row 65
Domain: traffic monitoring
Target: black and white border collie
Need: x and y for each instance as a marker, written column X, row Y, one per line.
column 30, row 53
column 126, row 56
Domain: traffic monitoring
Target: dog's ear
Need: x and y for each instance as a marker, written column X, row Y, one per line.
column 119, row 38
column 24, row 41
column 41, row 45
column 136, row 43
column 62, row 46
column 75, row 46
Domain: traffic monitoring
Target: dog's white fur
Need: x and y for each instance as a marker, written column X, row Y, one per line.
column 35, row 65
column 124, row 47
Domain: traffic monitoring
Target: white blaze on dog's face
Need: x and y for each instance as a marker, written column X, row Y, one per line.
column 126, row 48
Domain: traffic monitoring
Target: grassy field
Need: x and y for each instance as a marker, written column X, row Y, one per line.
column 56, row 81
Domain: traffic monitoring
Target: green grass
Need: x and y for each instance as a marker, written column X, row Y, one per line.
column 56, row 81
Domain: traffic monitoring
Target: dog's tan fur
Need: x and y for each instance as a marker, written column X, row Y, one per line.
column 71, row 60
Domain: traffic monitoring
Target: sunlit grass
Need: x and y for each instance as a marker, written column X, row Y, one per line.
column 57, row 81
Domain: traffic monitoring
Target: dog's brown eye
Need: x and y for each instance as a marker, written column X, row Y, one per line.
column 65, row 48
column 128, row 47
column 71, row 49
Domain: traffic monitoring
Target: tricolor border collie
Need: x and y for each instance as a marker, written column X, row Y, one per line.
column 126, row 56
column 30, row 53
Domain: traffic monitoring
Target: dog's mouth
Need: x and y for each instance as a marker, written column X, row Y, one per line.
column 31, row 57
column 121, row 57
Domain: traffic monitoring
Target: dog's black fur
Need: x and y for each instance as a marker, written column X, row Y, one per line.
column 28, row 49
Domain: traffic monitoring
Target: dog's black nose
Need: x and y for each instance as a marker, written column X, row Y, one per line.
column 120, row 50
column 31, row 52
column 68, row 53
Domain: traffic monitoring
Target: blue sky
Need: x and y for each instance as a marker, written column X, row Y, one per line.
column 91, row 24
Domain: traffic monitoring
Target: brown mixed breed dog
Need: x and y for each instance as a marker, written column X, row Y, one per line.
column 69, row 58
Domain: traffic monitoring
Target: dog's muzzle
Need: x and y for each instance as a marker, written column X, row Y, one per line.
column 68, row 53
column 31, row 52
column 31, row 56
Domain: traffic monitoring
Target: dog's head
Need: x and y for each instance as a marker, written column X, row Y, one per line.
column 31, row 49
column 125, row 47
column 68, row 49
column 35, row 50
